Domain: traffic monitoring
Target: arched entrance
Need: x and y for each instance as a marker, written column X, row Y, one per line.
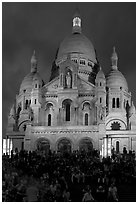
column 66, row 104
column 85, row 145
column 43, row 145
column 64, row 146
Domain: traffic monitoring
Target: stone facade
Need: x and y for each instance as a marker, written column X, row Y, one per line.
column 79, row 108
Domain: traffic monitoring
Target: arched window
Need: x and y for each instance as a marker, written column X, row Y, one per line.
column 74, row 60
column 66, row 104
column 49, row 119
column 113, row 103
column 117, row 147
column 117, row 102
column 100, row 83
column 67, row 112
column 24, row 127
column 86, row 118
column 82, row 62
column 18, row 111
column 26, row 104
column 100, row 99
column 35, row 85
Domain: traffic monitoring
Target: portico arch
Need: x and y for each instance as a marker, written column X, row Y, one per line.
column 85, row 144
column 43, row 145
column 64, row 145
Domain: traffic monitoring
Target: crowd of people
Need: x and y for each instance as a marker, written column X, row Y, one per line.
column 64, row 177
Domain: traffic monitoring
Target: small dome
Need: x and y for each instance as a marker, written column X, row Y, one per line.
column 28, row 81
column 115, row 79
column 79, row 44
column 100, row 74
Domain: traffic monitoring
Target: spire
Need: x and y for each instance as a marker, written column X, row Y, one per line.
column 114, row 59
column 76, row 22
column 33, row 62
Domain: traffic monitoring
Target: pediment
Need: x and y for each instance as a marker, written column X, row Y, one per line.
column 52, row 85
column 84, row 85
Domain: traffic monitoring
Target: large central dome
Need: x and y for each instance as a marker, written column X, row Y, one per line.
column 77, row 43
column 80, row 50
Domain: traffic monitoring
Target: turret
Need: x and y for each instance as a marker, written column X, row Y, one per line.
column 114, row 59
column 100, row 84
column 33, row 63
column 101, row 95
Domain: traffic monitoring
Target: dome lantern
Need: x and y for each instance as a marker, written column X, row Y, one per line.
column 114, row 59
column 33, row 62
column 76, row 23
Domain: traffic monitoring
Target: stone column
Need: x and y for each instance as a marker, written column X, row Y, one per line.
column 109, row 146
column 105, row 146
column 130, row 144
column 58, row 117
column 53, row 146
column 6, row 144
column 72, row 115
column 75, row 121
column 77, row 116
column 9, row 145
column 96, row 114
column 62, row 115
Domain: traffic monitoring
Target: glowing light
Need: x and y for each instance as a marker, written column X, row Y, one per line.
column 77, row 22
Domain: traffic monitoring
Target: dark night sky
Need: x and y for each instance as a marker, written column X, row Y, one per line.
column 42, row 26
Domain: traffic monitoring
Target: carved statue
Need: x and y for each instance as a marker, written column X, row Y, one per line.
column 68, row 79
column 102, row 113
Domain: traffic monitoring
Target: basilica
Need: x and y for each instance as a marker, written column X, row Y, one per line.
column 80, row 108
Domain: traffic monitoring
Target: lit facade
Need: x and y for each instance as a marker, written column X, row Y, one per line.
column 78, row 109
